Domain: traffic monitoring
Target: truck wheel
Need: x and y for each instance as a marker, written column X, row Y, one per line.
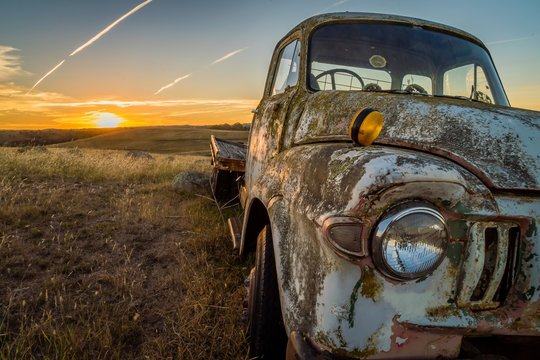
column 267, row 336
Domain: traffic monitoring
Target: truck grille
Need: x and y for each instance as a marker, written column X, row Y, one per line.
column 489, row 266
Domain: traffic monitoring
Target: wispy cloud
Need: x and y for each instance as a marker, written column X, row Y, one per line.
column 147, row 103
column 10, row 63
column 95, row 38
column 110, row 27
column 172, row 83
column 229, row 55
column 510, row 40
column 47, row 74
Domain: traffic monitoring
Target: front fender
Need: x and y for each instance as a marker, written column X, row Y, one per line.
column 347, row 304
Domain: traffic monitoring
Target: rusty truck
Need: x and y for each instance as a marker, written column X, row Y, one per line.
column 390, row 194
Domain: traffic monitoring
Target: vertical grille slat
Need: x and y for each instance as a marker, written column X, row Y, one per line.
column 474, row 263
column 488, row 267
column 500, row 264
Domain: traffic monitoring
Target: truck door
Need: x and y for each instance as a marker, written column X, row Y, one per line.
column 268, row 122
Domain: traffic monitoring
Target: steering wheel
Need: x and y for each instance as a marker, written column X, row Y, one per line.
column 415, row 88
column 372, row 87
column 333, row 73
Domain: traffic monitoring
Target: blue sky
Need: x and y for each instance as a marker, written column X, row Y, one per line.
column 168, row 39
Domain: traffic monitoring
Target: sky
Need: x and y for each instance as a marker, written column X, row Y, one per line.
column 101, row 63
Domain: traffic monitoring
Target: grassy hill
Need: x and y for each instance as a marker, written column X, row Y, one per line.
column 101, row 259
column 164, row 139
column 157, row 139
column 47, row 137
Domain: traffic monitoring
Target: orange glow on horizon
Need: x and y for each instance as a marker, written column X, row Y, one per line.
column 49, row 110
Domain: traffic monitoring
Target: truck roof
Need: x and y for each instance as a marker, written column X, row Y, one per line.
column 313, row 22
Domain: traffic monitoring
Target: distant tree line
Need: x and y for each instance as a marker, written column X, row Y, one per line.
column 235, row 126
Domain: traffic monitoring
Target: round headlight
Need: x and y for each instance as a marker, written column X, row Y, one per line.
column 410, row 243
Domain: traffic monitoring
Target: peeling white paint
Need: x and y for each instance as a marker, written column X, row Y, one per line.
column 400, row 341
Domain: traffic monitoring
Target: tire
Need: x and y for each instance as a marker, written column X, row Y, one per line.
column 267, row 336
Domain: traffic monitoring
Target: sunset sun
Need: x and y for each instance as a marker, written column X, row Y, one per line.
column 106, row 119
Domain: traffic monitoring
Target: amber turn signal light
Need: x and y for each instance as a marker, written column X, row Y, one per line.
column 365, row 126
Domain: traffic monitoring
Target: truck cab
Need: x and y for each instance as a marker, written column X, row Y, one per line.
column 391, row 197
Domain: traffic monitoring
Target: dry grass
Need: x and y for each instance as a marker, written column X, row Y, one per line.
column 159, row 139
column 100, row 259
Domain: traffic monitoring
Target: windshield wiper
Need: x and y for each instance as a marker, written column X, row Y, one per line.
column 458, row 97
column 399, row 91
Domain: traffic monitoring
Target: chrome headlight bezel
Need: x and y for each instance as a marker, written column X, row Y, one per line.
column 387, row 221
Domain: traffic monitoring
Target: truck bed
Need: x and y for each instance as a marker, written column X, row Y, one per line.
column 229, row 166
column 228, row 155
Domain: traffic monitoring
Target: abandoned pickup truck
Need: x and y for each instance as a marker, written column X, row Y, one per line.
column 391, row 196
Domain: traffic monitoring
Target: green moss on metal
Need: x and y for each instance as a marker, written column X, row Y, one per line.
column 324, row 339
column 352, row 302
column 458, row 229
column 369, row 350
column 533, row 230
column 341, row 339
column 454, row 253
column 461, row 208
column 371, row 285
column 338, row 167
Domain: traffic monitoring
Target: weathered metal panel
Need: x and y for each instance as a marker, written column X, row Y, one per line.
column 348, row 305
column 466, row 159
column 499, row 145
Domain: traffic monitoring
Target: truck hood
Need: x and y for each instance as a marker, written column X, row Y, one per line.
column 500, row 145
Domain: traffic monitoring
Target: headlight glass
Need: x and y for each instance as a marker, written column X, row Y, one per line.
column 410, row 243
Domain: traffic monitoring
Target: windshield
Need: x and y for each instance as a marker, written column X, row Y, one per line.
column 400, row 58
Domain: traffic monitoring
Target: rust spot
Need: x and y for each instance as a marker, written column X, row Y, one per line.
column 442, row 312
column 371, row 285
column 368, row 351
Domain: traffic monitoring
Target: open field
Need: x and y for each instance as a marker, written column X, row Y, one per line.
column 160, row 139
column 178, row 140
column 101, row 259
column 47, row 137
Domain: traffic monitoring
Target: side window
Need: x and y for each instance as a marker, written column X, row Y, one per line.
column 417, row 83
column 468, row 81
column 288, row 67
column 482, row 91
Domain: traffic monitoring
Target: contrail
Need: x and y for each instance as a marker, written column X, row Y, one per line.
column 231, row 54
column 95, row 38
column 109, row 28
column 47, row 74
column 173, row 83
column 223, row 58
column 334, row 5
column 509, row 40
